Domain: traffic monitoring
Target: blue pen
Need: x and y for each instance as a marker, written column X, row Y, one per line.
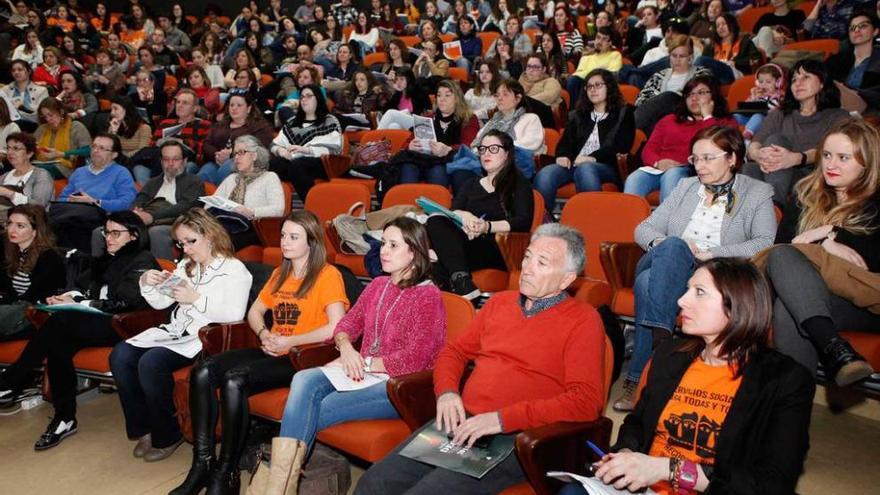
column 595, row 448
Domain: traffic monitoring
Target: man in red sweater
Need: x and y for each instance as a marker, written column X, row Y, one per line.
column 538, row 359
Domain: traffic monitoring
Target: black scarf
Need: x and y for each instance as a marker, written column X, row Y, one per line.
column 726, row 189
column 452, row 134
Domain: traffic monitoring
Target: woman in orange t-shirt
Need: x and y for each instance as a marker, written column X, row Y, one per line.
column 721, row 412
column 307, row 299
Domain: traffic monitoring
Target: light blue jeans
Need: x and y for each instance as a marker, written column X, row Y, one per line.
column 586, row 177
column 642, row 183
column 313, row 404
column 211, row 172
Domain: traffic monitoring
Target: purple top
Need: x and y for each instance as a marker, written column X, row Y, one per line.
column 406, row 328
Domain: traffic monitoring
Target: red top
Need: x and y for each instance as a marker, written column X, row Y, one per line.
column 671, row 139
column 534, row 371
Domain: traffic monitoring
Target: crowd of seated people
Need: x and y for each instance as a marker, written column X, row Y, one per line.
column 148, row 135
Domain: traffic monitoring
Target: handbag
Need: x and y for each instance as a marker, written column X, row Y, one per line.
column 372, row 153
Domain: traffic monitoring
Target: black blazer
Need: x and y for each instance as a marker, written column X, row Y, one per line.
column 120, row 273
column 580, row 126
column 48, row 278
column 187, row 190
column 765, row 437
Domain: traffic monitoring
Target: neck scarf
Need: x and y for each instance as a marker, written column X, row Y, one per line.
column 726, row 190
column 502, row 123
column 241, row 184
column 592, row 144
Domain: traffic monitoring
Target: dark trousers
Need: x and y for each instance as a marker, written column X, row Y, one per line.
column 458, row 254
column 397, row 474
column 801, row 294
column 655, row 108
column 144, row 379
column 301, row 172
column 238, row 374
column 59, row 339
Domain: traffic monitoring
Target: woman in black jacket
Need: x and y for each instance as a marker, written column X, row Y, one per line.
column 602, row 126
column 34, row 269
column 110, row 286
column 721, row 412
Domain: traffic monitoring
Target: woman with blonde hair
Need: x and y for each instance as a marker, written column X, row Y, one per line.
column 833, row 225
column 208, row 285
column 307, row 299
column 454, row 125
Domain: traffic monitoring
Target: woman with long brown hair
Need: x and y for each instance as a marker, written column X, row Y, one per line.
column 833, row 225
column 307, row 298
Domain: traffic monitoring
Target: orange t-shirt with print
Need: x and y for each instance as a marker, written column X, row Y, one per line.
column 293, row 316
column 689, row 426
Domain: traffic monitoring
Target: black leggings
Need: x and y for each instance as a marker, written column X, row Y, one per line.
column 301, row 172
column 238, row 374
column 63, row 335
column 456, row 253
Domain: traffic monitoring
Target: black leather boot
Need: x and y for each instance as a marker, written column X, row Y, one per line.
column 843, row 364
column 236, row 420
column 203, row 420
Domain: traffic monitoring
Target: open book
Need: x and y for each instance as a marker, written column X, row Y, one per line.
column 433, row 208
column 218, row 202
column 423, row 128
column 593, row 486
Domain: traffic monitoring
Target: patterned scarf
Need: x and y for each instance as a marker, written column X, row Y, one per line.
column 500, row 122
column 726, row 190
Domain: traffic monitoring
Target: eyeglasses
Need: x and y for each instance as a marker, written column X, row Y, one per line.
column 240, row 152
column 534, row 66
column 695, row 159
column 113, row 234
column 859, row 26
column 15, row 148
column 493, row 149
column 702, row 92
column 185, row 242
column 593, row 86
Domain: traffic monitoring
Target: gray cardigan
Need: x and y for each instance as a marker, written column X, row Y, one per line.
column 749, row 228
column 39, row 188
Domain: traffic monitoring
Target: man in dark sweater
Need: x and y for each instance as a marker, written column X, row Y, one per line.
column 538, row 356
column 162, row 199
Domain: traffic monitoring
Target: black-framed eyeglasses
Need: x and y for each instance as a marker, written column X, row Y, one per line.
column 185, row 242
column 493, row 149
column 113, row 234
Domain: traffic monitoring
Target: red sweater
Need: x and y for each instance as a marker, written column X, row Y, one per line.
column 534, row 371
column 671, row 139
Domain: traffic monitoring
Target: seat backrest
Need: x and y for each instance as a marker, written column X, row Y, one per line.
column 630, row 93
column 604, row 217
column 375, row 58
column 398, row 137
column 288, row 197
column 329, row 199
column 409, row 41
column 551, row 140
column 459, row 314
column 827, row 46
column 748, row 18
column 739, row 91
column 211, row 188
column 488, row 38
column 458, row 74
column 406, row 194
column 538, row 213
column 167, row 265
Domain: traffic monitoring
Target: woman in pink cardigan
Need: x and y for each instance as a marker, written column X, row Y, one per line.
column 401, row 323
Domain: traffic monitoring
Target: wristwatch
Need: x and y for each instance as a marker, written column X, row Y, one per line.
column 368, row 364
column 687, row 477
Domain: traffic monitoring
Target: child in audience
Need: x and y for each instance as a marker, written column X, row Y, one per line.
column 769, row 88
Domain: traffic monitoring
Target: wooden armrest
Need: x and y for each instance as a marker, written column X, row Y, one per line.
column 413, row 397
column 221, row 337
column 269, row 230
column 559, row 447
column 622, row 166
column 619, row 260
column 335, row 165
column 127, row 325
column 312, row 355
column 513, row 248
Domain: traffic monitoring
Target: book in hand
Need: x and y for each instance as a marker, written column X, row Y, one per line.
column 593, row 486
column 342, row 383
column 434, row 447
column 431, row 207
column 80, row 308
column 423, row 128
column 172, row 131
column 361, row 122
column 452, row 50
column 219, row 202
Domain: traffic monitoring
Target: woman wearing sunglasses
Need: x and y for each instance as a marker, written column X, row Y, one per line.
column 209, row 285
column 109, row 286
column 502, row 201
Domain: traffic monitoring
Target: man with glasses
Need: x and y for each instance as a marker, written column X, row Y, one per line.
column 856, row 70
column 604, row 56
column 163, row 199
column 92, row 191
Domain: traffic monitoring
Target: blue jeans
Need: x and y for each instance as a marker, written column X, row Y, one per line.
column 638, row 76
column 661, row 278
column 575, row 87
column 586, row 177
column 141, row 174
column 313, row 404
column 642, row 183
column 211, row 172
column 752, row 123
column 146, row 387
column 410, row 173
